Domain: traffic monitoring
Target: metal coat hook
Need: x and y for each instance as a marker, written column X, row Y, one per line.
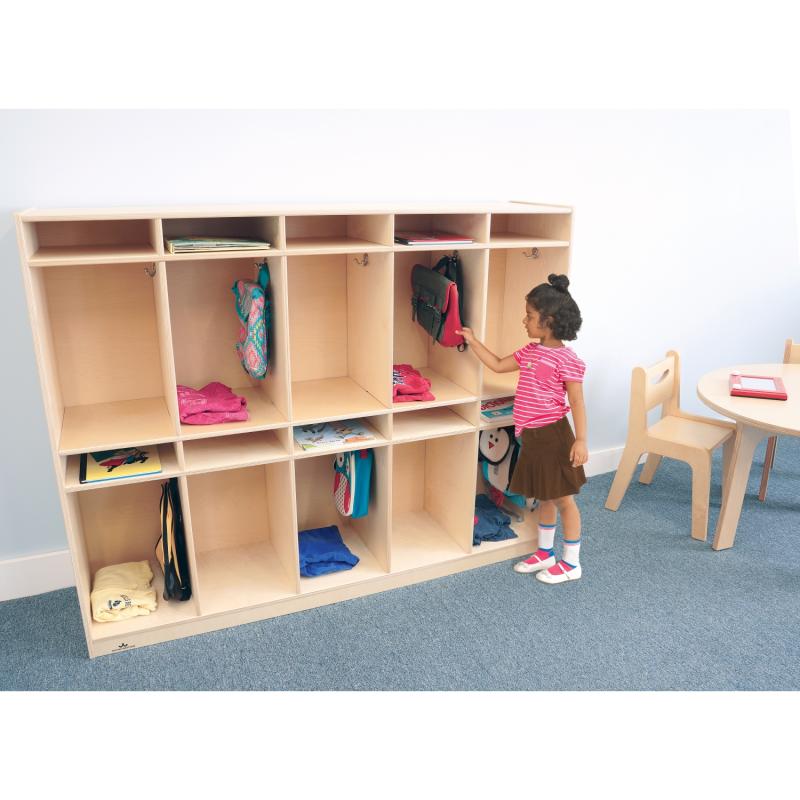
column 151, row 271
column 534, row 253
column 364, row 261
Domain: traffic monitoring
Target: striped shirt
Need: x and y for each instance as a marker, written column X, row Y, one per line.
column 541, row 393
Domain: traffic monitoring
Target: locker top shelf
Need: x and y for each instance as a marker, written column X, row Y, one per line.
column 288, row 209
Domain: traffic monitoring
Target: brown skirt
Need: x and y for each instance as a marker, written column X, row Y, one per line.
column 544, row 469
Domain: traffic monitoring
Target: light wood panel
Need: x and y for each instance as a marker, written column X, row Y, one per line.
column 332, row 398
column 369, row 325
column 256, row 226
column 105, row 333
column 226, row 452
column 318, row 317
column 428, row 424
column 126, row 423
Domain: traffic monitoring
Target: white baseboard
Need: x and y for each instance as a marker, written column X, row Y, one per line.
column 601, row 461
column 46, row 572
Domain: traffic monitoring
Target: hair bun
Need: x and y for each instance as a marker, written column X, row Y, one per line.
column 559, row 282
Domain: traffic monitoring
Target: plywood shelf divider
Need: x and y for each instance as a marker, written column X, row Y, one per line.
column 118, row 323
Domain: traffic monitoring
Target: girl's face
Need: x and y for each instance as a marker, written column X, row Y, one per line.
column 533, row 324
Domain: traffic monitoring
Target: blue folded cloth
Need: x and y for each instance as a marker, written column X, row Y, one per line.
column 491, row 524
column 322, row 550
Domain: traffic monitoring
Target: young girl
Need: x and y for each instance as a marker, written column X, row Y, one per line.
column 550, row 466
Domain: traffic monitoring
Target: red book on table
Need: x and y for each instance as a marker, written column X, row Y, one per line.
column 757, row 386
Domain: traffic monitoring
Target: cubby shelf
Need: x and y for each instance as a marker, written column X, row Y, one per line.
column 119, row 324
column 169, row 469
column 54, row 256
column 123, row 423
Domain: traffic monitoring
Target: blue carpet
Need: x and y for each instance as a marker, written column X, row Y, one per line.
column 654, row 610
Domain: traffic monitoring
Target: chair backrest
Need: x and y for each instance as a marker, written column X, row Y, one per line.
column 791, row 353
column 659, row 384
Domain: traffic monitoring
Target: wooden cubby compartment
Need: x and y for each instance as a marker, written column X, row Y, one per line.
column 366, row 537
column 167, row 454
column 530, row 230
column 525, row 527
column 473, row 226
column 430, row 423
column 244, row 536
column 340, row 335
column 432, row 500
column 338, row 233
column 267, row 229
column 209, row 454
column 454, row 375
column 116, row 525
column 512, row 274
column 60, row 243
column 205, row 330
column 104, row 367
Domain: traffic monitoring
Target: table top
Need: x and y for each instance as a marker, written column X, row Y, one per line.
column 776, row 416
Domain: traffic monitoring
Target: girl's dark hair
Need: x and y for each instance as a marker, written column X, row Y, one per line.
column 556, row 307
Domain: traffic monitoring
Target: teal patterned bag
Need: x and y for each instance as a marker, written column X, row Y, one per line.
column 253, row 308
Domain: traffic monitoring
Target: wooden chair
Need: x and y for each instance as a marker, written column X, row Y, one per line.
column 791, row 355
column 685, row 437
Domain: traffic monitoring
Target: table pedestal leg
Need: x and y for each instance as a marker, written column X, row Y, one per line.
column 744, row 445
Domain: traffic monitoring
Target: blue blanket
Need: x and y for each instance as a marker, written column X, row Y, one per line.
column 322, row 550
column 491, row 524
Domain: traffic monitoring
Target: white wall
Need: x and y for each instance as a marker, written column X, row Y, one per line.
column 684, row 233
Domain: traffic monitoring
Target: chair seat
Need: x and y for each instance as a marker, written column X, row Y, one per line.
column 689, row 432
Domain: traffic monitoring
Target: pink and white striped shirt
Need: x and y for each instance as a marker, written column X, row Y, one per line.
column 541, row 393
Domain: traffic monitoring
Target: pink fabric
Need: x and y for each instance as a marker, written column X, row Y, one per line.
column 212, row 404
column 541, row 389
column 408, row 385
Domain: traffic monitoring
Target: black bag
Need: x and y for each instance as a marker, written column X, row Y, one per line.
column 171, row 545
column 437, row 297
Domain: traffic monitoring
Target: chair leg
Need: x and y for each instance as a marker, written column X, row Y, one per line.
column 727, row 463
column 701, row 490
column 769, row 462
column 627, row 466
column 650, row 467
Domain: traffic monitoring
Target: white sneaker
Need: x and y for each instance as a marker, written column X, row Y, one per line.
column 541, row 559
column 558, row 574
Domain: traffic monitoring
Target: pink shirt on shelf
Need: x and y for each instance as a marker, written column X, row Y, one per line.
column 541, row 393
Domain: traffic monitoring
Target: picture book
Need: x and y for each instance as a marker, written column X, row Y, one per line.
column 501, row 408
column 330, row 435
column 430, row 237
column 213, row 244
column 112, row 465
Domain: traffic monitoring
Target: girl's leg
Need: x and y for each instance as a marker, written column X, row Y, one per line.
column 544, row 557
column 569, row 567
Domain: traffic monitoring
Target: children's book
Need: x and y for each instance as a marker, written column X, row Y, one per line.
column 213, row 244
column 501, row 408
column 430, row 237
column 332, row 434
column 111, row 465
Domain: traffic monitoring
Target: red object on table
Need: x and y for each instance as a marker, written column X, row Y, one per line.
column 757, row 386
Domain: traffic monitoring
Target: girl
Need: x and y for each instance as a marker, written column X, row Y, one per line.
column 550, row 466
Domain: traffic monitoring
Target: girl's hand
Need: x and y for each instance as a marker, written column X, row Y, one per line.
column 579, row 455
column 469, row 336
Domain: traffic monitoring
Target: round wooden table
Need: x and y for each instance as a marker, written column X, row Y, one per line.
column 756, row 419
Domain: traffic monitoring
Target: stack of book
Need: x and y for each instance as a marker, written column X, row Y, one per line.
column 330, row 435
column 213, row 244
column 430, row 237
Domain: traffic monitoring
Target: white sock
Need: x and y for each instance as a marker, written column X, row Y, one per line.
column 547, row 535
column 572, row 552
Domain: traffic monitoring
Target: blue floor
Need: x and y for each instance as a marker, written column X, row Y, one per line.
column 654, row 610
